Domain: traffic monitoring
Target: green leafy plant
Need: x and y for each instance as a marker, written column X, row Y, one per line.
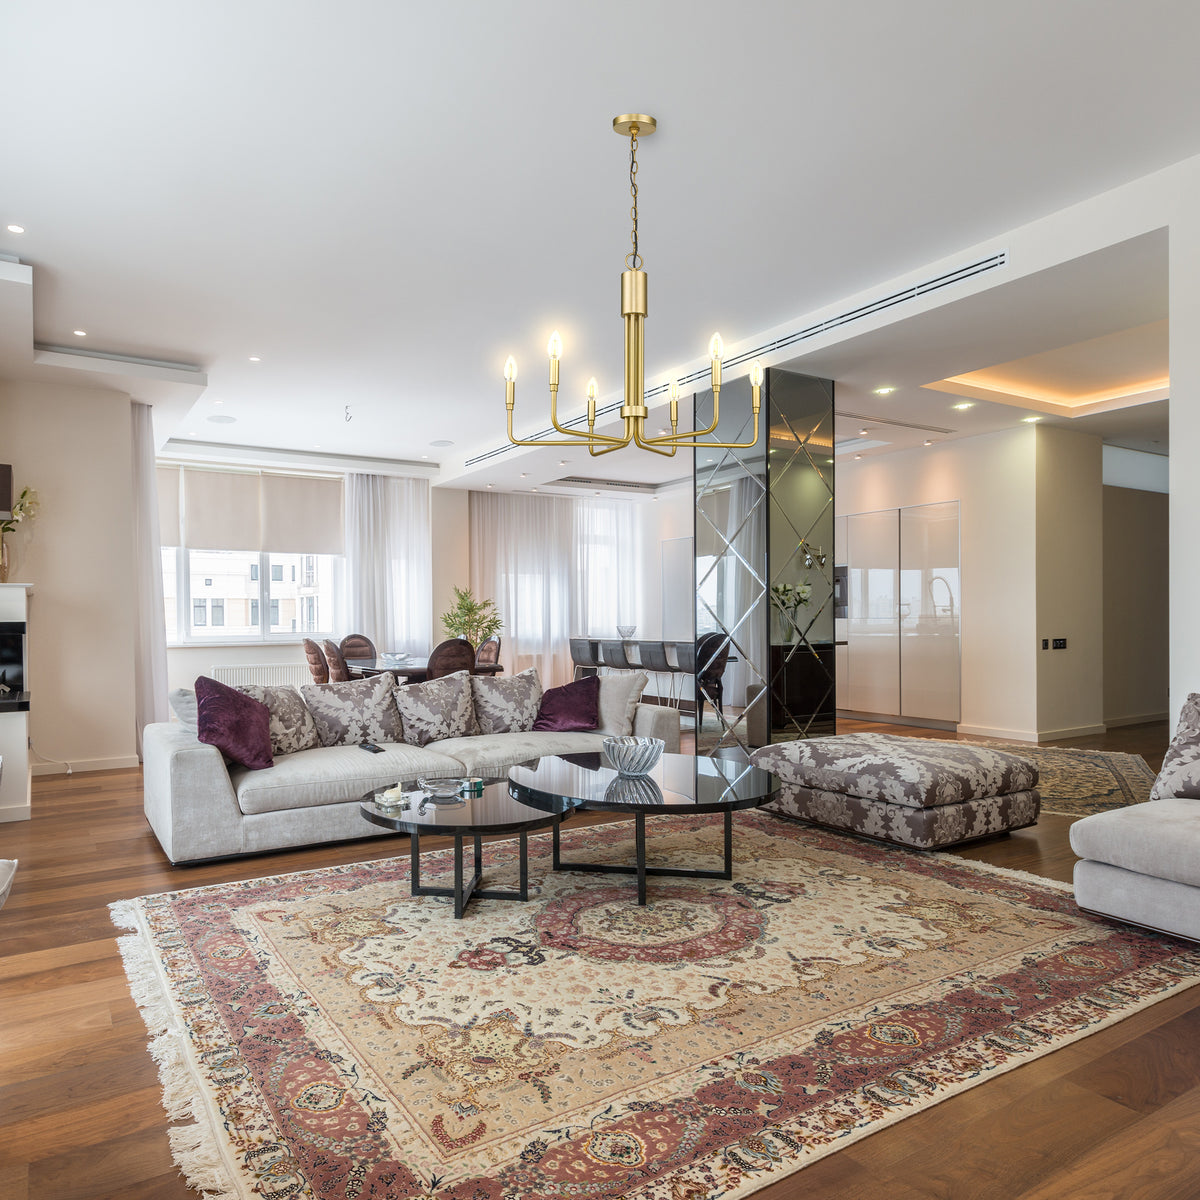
column 25, row 508
column 475, row 620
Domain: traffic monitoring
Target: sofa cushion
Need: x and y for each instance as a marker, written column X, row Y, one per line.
column 919, row 772
column 492, row 754
column 574, row 706
column 436, row 709
column 240, row 727
column 619, row 696
column 333, row 774
column 1180, row 773
column 1160, row 839
column 183, row 705
column 506, row 704
column 292, row 725
column 349, row 713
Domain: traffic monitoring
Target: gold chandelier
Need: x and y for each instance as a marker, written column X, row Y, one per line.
column 633, row 308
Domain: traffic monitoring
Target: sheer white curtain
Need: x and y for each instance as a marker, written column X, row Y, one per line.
column 150, row 644
column 556, row 567
column 389, row 562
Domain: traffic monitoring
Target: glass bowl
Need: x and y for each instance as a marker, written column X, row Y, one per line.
column 443, row 788
column 626, row 631
column 633, row 755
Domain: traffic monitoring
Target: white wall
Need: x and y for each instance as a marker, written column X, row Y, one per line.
column 184, row 663
column 449, row 514
column 74, row 445
column 1070, row 583
column 993, row 477
column 668, row 517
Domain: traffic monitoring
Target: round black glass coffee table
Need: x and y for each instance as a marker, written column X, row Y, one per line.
column 678, row 784
column 495, row 811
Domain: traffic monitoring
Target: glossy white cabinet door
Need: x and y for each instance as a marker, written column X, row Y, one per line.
column 872, row 625
column 930, row 608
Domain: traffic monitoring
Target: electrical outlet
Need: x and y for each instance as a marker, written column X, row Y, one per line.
column 1045, row 643
column 1060, row 643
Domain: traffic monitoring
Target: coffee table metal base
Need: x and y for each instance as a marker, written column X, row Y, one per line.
column 641, row 870
column 464, row 891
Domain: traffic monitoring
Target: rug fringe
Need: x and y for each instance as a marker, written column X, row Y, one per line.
column 986, row 868
column 195, row 1147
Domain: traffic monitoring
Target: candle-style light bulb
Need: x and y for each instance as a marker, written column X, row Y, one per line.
column 591, row 397
column 554, row 345
column 510, row 369
column 715, row 346
column 673, row 392
column 510, row 387
column 673, row 389
column 756, row 374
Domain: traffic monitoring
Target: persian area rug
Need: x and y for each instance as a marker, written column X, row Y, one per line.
column 326, row 1035
column 1077, row 783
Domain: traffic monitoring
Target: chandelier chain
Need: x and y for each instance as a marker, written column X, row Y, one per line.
column 633, row 260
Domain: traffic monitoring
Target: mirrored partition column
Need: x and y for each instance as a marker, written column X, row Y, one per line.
column 764, row 567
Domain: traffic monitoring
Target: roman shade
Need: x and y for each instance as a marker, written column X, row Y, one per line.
column 250, row 510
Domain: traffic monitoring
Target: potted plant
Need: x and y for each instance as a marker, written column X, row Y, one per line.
column 475, row 620
column 24, row 509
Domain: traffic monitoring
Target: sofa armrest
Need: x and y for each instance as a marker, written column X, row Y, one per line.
column 188, row 797
column 660, row 721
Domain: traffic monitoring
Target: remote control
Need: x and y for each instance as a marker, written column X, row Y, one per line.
column 374, row 749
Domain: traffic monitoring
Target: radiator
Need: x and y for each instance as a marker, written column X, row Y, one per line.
column 266, row 674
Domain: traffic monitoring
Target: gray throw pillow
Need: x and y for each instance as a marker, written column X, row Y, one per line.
column 292, row 725
column 619, row 696
column 183, row 705
column 359, row 711
column 506, row 705
column 1180, row 774
column 437, row 709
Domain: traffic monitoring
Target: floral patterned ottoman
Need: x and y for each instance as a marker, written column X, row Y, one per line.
column 912, row 791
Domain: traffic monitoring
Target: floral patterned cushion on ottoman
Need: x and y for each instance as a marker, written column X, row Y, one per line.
column 1180, row 774
column 916, row 772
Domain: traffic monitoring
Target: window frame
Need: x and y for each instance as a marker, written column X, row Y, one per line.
column 261, row 575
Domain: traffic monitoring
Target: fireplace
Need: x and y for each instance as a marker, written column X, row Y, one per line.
column 13, row 696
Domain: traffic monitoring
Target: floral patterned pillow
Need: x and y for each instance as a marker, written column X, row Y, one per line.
column 506, row 705
column 1180, row 774
column 359, row 711
column 292, row 725
column 437, row 709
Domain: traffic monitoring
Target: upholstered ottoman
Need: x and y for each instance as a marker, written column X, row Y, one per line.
column 912, row 791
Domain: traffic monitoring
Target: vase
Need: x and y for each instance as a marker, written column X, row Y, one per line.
column 3, row 560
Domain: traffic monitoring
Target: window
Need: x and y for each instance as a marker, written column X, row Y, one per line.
column 232, row 595
column 293, row 572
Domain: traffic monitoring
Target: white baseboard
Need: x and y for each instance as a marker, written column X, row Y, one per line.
column 1055, row 735
column 117, row 763
column 1001, row 735
column 14, row 812
column 1139, row 719
column 888, row 719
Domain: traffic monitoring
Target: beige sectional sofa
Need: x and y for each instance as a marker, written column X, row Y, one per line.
column 201, row 808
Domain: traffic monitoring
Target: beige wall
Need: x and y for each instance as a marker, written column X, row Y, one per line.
column 74, row 445
column 450, row 517
column 994, row 479
column 1070, row 583
column 1136, row 650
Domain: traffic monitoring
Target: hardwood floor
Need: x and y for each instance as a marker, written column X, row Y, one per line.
column 1114, row 1116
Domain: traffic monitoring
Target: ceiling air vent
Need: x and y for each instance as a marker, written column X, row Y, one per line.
column 610, row 485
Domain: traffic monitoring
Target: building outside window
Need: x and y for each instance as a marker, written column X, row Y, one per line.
column 276, row 572
column 218, row 612
column 199, row 612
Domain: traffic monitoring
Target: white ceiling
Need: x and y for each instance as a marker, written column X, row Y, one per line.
column 381, row 200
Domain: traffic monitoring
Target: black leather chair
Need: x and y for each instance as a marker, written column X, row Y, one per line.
column 712, row 656
column 583, row 655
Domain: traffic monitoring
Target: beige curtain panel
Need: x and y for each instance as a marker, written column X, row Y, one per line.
column 246, row 510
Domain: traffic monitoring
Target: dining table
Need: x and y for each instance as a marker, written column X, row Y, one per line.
column 407, row 669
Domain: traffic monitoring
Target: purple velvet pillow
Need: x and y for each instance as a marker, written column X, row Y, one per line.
column 239, row 726
column 574, row 707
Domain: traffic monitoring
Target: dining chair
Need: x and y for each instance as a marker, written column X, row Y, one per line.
column 488, row 652
column 338, row 671
column 712, row 656
column 316, row 661
column 653, row 656
column 584, row 656
column 613, row 655
column 357, row 645
column 457, row 654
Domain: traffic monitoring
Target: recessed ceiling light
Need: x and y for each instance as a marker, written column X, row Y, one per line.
column 80, row 332
column 965, row 405
column 663, row 432
column 424, row 455
column 829, row 460
column 491, row 485
column 192, row 434
column 316, row 445
column 442, row 442
column 218, row 403
column 562, row 462
column 1030, row 420
column 533, row 489
column 597, row 493
column 16, row 229
column 857, row 457
column 524, row 474
column 222, row 419
column 255, row 358
column 884, row 391
column 928, row 442
column 863, row 432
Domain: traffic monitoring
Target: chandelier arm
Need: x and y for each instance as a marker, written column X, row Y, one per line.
column 584, row 438
column 575, row 433
column 682, row 439
column 666, row 440
column 606, row 449
column 644, row 443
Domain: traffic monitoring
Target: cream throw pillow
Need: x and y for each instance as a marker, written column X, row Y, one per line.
column 619, row 696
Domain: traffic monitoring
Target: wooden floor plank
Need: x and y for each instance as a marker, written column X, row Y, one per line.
column 79, row 1099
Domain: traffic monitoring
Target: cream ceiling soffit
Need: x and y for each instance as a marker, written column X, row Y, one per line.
column 186, row 450
column 170, row 388
column 1078, row 406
